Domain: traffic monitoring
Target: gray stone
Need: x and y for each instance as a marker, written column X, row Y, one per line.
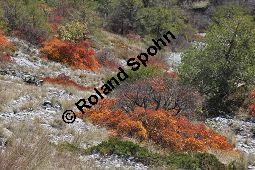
column 47, row 104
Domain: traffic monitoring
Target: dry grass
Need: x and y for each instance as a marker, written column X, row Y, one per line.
column 6, row 95
column 29, row 148
column 10, row 91
column 226, row 157
column 25, row 150
column 89, row 137
column 122, row 47
column 57, row 123
column 251, row 159
column 67, row 104
column 30, row 106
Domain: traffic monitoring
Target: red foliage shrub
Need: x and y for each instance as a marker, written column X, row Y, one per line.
column 6, row 48
column 160, row 126
column 159, row 62
column 33, row 35
column 132, row 128
column 6, row 59
column 178, row 133
column 66, row 81
column 171, row 74
column 252, row 110
column 79, row 55
column 3, row 40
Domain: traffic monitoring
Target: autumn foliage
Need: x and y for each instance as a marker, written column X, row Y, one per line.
column 5, row 49
column 172, row 132
column 66, row 81
column 79, row 55
column 252, row 106
column 3, row 40
column 252, row 110
column 6, row 59
column 158, row 92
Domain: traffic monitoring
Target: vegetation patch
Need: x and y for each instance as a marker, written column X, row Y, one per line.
column 200, row 4
column 179, row 160
column 163, row 127
column 66, row 81
column 65, row 146
column 79, row 55
column 144, row 72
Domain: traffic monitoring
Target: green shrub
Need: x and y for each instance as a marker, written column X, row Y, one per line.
column 143, row 73
column 26, row 19
column 182, row 160
column 73, row 31
column 118, row 147
column 190, row 161
column 127, row 149
column 209, row 161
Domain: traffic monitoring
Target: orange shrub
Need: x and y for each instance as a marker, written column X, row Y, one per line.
column 132, row 129
column 79, row 55
column 160, row 126
column 6, row 49
column 116, row 120
column 3, row 40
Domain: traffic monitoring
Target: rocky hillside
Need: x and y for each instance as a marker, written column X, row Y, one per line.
column 29, row 102
column 190, row 106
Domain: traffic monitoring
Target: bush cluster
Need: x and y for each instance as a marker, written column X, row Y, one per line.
column 73, row 31
column 162, row 127
column 191, row 161
column 6, row 49
column 79, row 55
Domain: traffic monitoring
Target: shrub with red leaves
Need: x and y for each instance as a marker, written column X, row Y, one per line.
column 173, row 132
column 79, row 55
column 252, row 110
column 3, row 40
column 6, row 59
column 66, row 81
column 6, row 48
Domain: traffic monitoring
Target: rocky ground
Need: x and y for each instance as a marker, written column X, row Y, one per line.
column 242, row 134
column 26, row 99
column 34, row 102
